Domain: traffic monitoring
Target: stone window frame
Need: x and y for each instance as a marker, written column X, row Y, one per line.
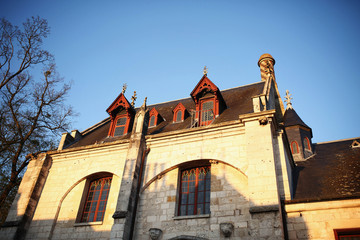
column 346, row 232
column 89, row 180
column 297, row 147
column 179, row 192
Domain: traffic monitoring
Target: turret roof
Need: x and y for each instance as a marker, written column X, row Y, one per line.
column 291, row 118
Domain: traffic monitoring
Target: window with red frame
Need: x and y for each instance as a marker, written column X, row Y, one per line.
column 195, row 191
column 120, row 126
column 294, row 147
column 96, row 199
column 152, row 121
column 347, row 234
column 306, row 143
column 207, row 112
column 179, row 116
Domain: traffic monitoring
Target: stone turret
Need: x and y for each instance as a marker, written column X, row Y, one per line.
column 299, row 134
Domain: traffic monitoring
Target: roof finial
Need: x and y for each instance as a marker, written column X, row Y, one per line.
column 205, row 70
column 288, row 100
column 124, row 88
column 144, row 104
column 133, row 98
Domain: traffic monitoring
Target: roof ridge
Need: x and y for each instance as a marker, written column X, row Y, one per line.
column 340, row 140
column 190, row 97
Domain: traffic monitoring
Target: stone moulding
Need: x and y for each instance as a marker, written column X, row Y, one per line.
column 186, row 237
column 261, row 209
column 119, row 214
column 10, row 224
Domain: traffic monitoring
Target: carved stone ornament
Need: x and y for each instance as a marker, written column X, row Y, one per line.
column 227, row 229
column 263, row 120
column 155, row 233
column 213, row 162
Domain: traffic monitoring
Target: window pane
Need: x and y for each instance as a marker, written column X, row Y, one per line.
column 119, row 131
column 190, row 210
column 152, row 121
column 121, row 121
column 207, row 112
column 179, row 116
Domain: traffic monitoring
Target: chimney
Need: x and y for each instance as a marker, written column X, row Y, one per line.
column 266, row 64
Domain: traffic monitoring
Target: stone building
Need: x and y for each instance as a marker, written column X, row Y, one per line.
column 222, row 164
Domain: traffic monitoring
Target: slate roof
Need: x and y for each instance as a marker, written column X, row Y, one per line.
column 238, row 101
column 291, row 119
column 333, row 172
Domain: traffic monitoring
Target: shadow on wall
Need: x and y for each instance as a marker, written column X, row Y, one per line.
column 65, row 215
column 232, row 215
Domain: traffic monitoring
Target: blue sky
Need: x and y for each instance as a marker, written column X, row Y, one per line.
column 159, row 48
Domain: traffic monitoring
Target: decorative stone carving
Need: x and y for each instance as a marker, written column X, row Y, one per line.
column 213, row 162
column 227, row 229
column 155, row 233
column 263, row 120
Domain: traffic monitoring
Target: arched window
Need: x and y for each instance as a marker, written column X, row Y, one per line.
column 179, row 113
column 294, row 147
column 307, row 143
column 152, row 121
column 179, row 116
column 96, row 199
column 154, row 117
column 194, row 197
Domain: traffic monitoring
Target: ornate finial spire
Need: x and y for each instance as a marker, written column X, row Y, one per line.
column 133, row 98
column 288, row 100
column 144, row 104
column 205, row 70
column 124, row 88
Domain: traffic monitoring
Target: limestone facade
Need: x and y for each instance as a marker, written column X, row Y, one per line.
column 253, row 178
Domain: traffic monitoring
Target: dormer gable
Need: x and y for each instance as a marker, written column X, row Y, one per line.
column 121, row 114
column 120, row 101
column 208, row 101
column 179, row 113
column 154, row 118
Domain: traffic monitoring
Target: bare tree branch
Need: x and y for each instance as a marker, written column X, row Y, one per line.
column 32, row 109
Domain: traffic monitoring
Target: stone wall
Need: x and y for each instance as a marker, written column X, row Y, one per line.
column 229, row 204
column 59, row 204
column 318, row 220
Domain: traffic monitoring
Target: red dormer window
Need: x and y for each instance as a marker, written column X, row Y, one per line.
column 208, row 100
column 121, row 115
column 154, row 118
column 179, row 113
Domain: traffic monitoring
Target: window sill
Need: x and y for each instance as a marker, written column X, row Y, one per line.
column 191, row 217
column 84, row 224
